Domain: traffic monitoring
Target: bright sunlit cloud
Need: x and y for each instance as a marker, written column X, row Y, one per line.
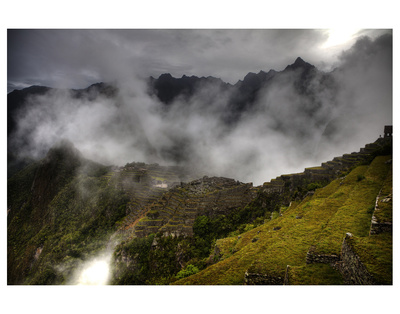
column 340, row 36
column 96, row 273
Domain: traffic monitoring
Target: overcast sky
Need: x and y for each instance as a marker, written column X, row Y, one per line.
column 73, row 58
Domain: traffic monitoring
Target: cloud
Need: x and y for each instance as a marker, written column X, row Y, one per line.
column 74, row 58
column 286, row 130
column 364, row 99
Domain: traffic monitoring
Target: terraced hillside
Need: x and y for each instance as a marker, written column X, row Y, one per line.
column 175, row 213
column 144, row 184
column 297, row 229
column 327, row 171
column 324, row 239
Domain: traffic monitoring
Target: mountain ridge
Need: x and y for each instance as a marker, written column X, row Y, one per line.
column 229, row 104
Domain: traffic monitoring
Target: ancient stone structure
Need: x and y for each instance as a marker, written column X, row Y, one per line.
column 348, row 263
column 351, row 267
column 175, row 212
column 380, row 227
column 312, row 257
column 262, row 279
column 388, row 131
column 287, row 184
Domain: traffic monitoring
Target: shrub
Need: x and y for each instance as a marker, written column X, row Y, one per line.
column 188, row 271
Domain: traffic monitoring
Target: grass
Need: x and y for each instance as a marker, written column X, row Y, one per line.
column 385, row 207
column 355, row 214
column 314, row 274
column 376, row 254
column 340, row 207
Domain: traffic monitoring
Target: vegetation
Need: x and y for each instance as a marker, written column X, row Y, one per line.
column 314, row 274
column 187, row 271
column 74, row 225
column 52, row 228
column 376, row 254
column 342, row 206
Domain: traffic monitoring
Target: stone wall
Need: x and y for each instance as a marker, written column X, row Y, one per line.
column 313, row 257
column 326, row 172
column 262, row 279
column 379, row 227
column 353, row 270
column 175, row 212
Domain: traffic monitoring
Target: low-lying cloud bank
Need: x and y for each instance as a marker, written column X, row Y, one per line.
column 283, row 132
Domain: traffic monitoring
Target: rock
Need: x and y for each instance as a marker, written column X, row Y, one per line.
column 348, row 235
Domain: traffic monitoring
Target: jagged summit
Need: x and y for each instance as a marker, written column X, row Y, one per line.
column 299, row 63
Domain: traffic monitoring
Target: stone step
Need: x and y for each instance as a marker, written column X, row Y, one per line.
column 166, row 213
column 318, row 170
column 176, row 222
column 151, row 222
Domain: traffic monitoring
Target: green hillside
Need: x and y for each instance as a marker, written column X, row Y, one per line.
column 328, row 225
column 317, row 226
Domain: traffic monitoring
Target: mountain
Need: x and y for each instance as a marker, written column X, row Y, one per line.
column 151, row 123
column 327, row 238
column 166, row 88
column 18, row 100
column 170, row 227
column 245, row 93
column 174, row 218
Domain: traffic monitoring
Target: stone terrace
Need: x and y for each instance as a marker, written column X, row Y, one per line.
column 326, row 172
column 175, row 212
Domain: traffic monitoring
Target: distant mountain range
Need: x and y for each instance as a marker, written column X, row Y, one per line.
column 298, row 86
column 243, row 94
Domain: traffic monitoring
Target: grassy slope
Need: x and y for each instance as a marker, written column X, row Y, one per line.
column 342, row 206
column 375, row 251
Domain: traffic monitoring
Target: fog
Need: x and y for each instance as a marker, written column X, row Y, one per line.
column 280, row 134
column 96, row 270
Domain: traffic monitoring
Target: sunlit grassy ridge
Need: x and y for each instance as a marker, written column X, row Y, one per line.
column 345, row 205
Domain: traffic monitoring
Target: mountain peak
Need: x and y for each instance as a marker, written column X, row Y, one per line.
column 299, row 63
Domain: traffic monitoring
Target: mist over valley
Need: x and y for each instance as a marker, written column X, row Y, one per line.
column 264, row 125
